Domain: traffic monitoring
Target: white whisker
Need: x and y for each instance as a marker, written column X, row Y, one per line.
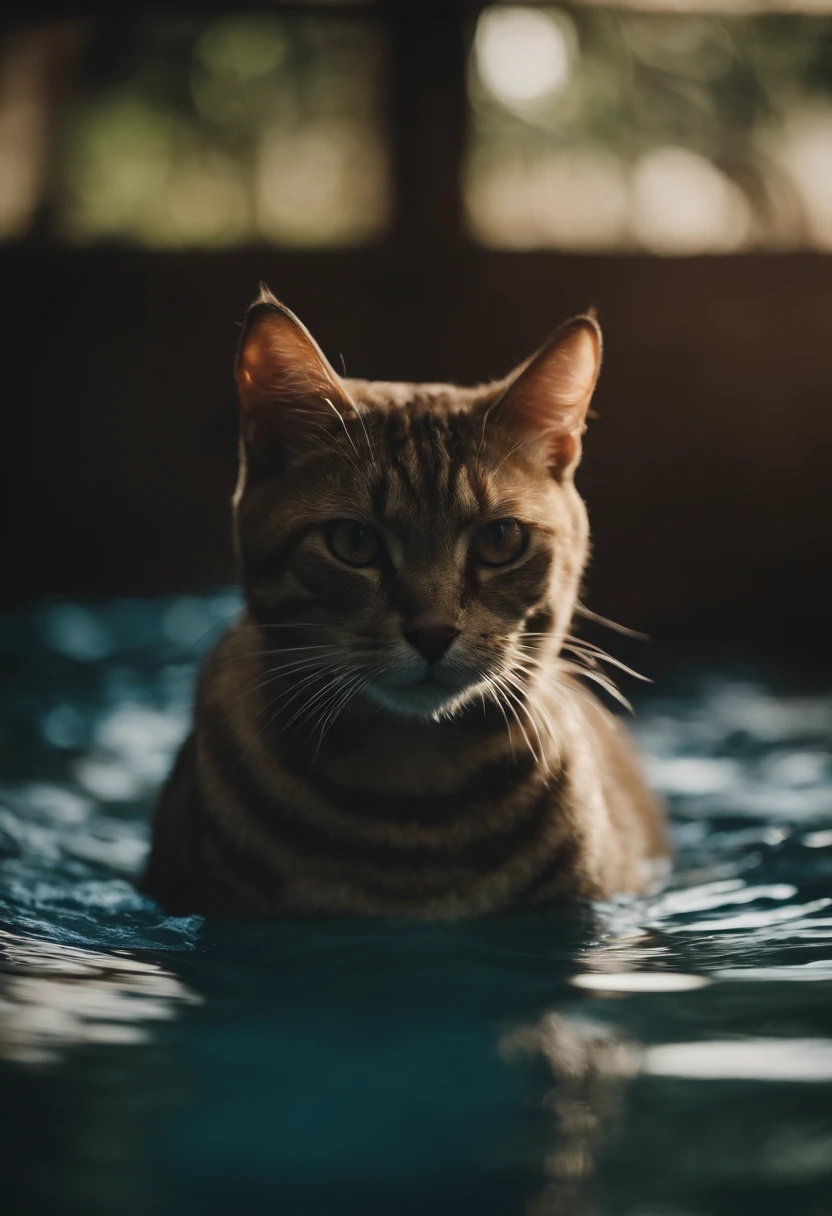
column 340, row 417
column 495, row 695
column 305, row 710
column 601, row 680
column 596, row 655
column 352, row 689
column 583, row 611
column 366, row 436
column 519, row 694
column 510, row 705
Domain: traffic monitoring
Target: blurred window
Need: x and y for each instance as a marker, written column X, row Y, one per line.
column 179, row 132
column 679, row 132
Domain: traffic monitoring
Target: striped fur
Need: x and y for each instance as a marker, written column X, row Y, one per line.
column 332, row 769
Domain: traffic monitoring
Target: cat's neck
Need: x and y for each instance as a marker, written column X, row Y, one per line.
column 366, row 746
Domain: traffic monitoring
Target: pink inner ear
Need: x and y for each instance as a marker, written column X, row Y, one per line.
column 572, row 370
column 553, row 392
column 279, row 363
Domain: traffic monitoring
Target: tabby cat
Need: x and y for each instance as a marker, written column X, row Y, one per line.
column 392, row 728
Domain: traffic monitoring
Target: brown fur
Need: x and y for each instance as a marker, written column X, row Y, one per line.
column 331, row 768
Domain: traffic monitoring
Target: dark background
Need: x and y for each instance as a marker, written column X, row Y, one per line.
column 706, row 470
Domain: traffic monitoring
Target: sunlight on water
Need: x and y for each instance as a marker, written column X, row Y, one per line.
column 752, row 1060
column 668, row 1054
column 639, row 981
column 56, row 996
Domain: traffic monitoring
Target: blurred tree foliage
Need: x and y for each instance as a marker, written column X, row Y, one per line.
column 589, row 128
column 751, row 96
column 244, row 128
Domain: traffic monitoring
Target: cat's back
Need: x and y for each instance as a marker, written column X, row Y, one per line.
column 632, row 844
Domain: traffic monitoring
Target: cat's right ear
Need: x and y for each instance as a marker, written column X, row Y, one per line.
column 288, row 389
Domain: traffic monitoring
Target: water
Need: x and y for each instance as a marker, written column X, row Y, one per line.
column 669, row 1056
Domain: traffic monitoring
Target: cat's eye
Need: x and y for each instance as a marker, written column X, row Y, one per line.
column 353, row 542
column 500, row 542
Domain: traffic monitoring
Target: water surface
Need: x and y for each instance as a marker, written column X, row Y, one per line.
column 669, row 1056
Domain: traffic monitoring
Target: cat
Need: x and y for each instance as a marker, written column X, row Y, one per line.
column 391, row 727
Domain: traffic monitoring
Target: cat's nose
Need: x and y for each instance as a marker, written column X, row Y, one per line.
column 433, row 641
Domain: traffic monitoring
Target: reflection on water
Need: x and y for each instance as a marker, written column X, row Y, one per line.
column 639, row 981
column 589, row 1063
column 55, row 997
column 665, row 1055
column 750, row 1060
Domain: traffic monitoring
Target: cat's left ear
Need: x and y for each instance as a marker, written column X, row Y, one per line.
column 547, row 398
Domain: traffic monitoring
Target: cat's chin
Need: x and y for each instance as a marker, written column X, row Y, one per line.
column 425, row 699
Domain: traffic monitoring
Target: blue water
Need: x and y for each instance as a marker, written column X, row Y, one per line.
column 669, row 1056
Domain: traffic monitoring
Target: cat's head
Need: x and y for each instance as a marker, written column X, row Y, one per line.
column 415, row 544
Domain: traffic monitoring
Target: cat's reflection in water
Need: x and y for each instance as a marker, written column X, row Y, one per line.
column 590, row 1065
